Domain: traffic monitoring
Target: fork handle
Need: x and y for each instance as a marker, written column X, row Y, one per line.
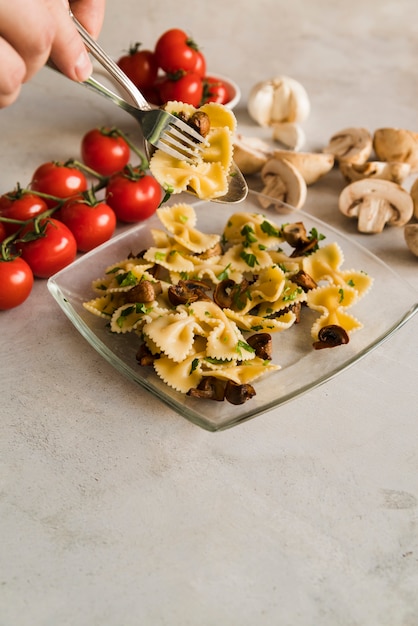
column 114, row 70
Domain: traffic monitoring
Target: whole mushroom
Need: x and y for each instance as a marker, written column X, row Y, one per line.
column 350, row 145
column 397, row 144
column 376, row 203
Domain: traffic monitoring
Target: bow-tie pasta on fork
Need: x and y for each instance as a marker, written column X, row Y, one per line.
column 208, row 176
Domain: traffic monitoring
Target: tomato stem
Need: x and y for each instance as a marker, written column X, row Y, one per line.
column 143, row 159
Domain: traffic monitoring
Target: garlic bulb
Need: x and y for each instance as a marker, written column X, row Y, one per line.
column 278, row 100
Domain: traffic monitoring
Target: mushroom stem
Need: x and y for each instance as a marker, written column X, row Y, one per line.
column 373, row 214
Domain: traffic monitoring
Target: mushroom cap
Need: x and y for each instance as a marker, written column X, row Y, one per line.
column 312, row 165
column 352, row 145
column 397, row 144
column 394, row 170
column 279, row 99
column 283, row 182
column 250, row 154
column 376, row 203
column 411, row 237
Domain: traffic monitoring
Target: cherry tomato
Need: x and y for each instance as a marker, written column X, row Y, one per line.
column 91, row 223
column 133, row 195
column 175, row 51
column 59, row 180
column 105, row 151
column 215, row 90
column 140, row 66
column 16, row 282
column 188, row 88
column 54, row 249
column 2, row 232
column 200, row 65
column 19, row 205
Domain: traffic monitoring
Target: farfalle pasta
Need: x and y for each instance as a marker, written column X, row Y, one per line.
column 208, row 177
column 198, row 302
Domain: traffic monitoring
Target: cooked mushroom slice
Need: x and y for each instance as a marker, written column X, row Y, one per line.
column 231, row 295
column 144, row 356
column 411, row 237
column 414, row 196
column 262, row 344
column 394, row 171
column 186, row 291
column 376, row 203
column 296, row 236
column 397, row 144
column 200, row 121
column 312, row 165
column 144, row 291
column 209, row 388
column 302, row 279
column 330, row 337
column 283, row 182
column 353, row 145
column 250, row 154
column 238, row 394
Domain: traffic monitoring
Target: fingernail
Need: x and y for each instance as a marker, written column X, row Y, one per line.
column 83, row 67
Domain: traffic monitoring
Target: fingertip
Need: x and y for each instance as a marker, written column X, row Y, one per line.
column 83, row 67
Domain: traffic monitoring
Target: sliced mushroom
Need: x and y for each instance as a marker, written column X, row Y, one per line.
column 296, row 236
column 144, row 291
column 330, row 337
column 144, row 356
column 414, row 196
column 352, row 145
column 397, row 144
column 209, row 388
column 238, row 394
column 231, row 295
column 304, row 280
column 283, row 182
column 394, row 171
column 411, row 237
column 262, row 344
column 187, row 291
column 312, row 165
column 250, row 154
column 376, row 203
column 278, row 100
column 289, row 134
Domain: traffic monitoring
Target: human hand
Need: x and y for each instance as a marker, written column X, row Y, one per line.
column 32, row 31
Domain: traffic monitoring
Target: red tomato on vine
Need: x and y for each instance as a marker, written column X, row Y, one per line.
column 16, row 282
column 105, row 151
column 47, row 247
column 92, row 222
column 176, row 51
column 133, row 195
column 140, row 66
column 20, row 205
column 59, row 180
column 186, row 88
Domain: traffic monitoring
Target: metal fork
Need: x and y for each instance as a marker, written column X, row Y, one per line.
column 161, row 129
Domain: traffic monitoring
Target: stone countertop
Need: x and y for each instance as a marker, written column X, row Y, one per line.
column 117, row 511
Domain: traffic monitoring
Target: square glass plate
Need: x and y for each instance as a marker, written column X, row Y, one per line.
column 302, row 367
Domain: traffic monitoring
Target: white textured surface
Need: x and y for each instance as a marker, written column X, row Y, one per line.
column 114, row 510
